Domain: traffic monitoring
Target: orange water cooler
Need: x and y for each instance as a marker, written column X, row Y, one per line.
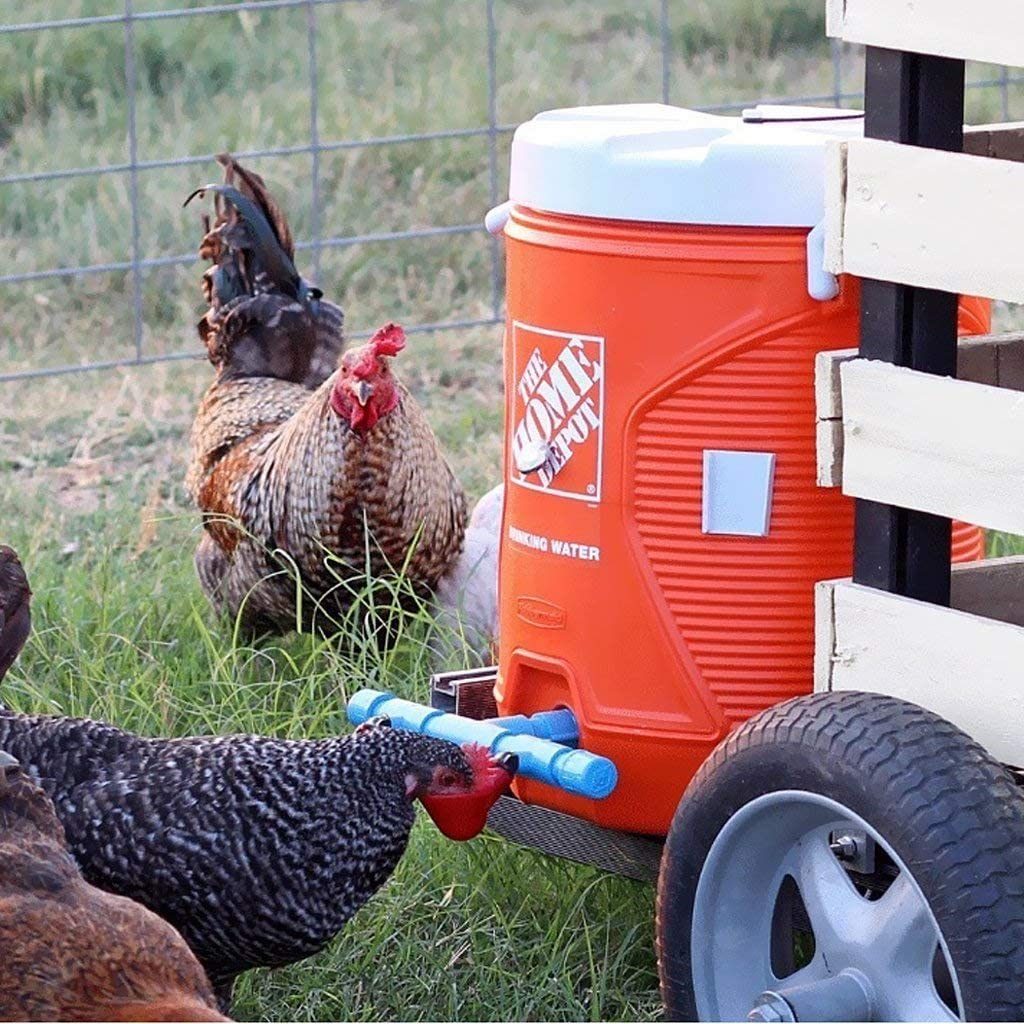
column 663, row 530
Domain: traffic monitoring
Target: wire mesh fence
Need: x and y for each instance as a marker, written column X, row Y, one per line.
column 317, row 144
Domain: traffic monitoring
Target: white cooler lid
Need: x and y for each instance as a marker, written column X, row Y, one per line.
column 651, row 162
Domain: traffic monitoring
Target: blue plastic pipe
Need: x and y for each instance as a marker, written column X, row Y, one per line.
column 540, row 758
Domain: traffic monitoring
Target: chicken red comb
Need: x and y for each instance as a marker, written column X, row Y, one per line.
column 388, row 341
column 478, row 756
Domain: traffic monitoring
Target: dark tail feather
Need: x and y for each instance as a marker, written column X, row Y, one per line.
column 270, row 256
column 251, row 283
column 253, row 186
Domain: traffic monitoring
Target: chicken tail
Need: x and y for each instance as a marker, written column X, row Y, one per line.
column 263, row 319
column 260, row 260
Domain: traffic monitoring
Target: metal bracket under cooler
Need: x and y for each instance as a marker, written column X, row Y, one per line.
column 471, row 693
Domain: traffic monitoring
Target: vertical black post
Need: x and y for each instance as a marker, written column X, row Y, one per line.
column 917, row 100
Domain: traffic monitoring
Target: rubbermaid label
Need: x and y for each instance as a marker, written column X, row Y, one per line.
column 559, row 401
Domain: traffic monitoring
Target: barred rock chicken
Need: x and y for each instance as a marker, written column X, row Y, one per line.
column 15, row 617
column 71, row 951
column 257, row 850
column 330, row 486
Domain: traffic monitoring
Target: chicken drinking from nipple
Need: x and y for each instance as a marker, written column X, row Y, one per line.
column 461, row 813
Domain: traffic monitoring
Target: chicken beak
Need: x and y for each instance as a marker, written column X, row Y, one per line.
column 362, row 390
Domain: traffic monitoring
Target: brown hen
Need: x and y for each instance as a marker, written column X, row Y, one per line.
column 15, row 615
column 301, row 478
column 333, row 488
column 71, row 951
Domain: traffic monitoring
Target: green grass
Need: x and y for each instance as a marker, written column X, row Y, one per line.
column 91, row 466
column 474, row 931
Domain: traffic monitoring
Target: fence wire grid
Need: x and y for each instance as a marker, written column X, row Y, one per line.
column 1000, row 78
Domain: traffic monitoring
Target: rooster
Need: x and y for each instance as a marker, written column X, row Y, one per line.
column 263, row 318
column 70, row 951
column 325, row 486
column 257, row 850
column 15, row 617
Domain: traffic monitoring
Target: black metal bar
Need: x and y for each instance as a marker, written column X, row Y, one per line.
column 916, row 100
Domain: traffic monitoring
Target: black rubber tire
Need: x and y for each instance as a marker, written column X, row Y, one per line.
column 951, row 812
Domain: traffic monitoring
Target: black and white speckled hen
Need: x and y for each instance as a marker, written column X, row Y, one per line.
column 257, row 850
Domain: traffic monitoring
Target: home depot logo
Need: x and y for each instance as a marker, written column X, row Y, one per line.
column 558, row 412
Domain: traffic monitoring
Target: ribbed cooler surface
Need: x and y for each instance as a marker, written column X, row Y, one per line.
column 744, row 608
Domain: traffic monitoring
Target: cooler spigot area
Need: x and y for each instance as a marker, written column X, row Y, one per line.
column 531, row 738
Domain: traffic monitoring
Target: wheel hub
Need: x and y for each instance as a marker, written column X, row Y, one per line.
column 873, row 949
column 846, row 996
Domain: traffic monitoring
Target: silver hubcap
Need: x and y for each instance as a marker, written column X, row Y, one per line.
column 803, row 912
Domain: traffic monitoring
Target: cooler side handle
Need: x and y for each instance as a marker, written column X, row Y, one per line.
column 821, row 285
column 496, row 219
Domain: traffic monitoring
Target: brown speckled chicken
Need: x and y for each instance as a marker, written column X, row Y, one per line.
column 71, row 951
column 15, row 617
column 301, row 475
column 336, row 484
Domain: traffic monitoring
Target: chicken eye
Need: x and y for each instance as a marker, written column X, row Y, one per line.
column 447, row 777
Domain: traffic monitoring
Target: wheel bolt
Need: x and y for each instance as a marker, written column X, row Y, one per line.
column 844, row 847
column 771, row 1008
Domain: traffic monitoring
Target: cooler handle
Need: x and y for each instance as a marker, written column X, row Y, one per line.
column 496, row 219
column 821, row 285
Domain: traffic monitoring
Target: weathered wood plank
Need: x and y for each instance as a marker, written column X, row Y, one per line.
column 985, row 30
column 999, row 141
column 962, row 666
column 934, row 444
column 993, row 359
column 829, row 442
column 993, row 589
column 947, row 221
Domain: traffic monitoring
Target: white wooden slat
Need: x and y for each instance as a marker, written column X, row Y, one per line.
column 985, row 30
column 919, row 216
column 829, row 445
column 962, row 666
column 936, row 444
column 993, row 359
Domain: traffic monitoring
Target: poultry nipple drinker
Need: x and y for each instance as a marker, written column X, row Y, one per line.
column 542, row 742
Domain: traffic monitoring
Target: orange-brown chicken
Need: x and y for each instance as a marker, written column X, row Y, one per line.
column 340, row 486
column 69, row 951
column 310, row 485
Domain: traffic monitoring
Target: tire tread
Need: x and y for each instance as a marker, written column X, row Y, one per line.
column 952, row 813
